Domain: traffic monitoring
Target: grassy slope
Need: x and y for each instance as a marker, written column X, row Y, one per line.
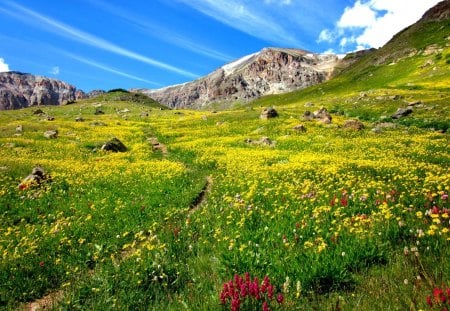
column 332, row 209
column 386, row 72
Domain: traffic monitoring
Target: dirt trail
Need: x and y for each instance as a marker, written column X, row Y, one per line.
column 201, row 197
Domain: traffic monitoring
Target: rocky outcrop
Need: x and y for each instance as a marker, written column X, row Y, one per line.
column 270, row 71
column 439, row 12
column 19, row 90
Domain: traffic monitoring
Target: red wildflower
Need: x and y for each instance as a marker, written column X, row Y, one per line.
column 429, row 301
column 265, row 306
column 41, row 264
column 280, row 298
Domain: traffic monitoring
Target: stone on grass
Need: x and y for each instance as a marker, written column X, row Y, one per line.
column 51, row 134
column 114, row 145
column 269, row 113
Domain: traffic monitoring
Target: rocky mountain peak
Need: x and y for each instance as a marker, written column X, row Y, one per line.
column 439, row 12
column 269, row 71
column 19, row 90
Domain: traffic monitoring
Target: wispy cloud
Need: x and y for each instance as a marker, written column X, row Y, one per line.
column 250, row 17
column 372, row 23
column 162, row 33
column 3, row 66
column 73, row 33
column 108, row 68
column 54, row 71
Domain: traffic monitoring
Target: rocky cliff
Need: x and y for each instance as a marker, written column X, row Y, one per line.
column 19, row 90
column 270, row 71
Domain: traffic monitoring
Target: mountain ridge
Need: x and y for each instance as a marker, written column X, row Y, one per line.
column 269, row 71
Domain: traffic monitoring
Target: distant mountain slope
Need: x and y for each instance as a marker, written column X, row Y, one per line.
column 19, row 90
column 270, row 71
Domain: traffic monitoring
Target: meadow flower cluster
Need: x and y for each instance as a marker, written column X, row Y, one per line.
column 242, row 291
column 440, row 300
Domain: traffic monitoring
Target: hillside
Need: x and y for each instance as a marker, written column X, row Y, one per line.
column 19, row 90
column 414, row 66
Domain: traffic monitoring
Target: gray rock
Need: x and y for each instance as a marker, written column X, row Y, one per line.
column 402, row 112
column 19, row 90
column 270, row 71
column 79, row 119
column 98, row 111
column 269, row 113
column 114, row 145
column 36, row 178
column 322, row 115
column 19, row 128
column 299, row 128
column 353, row 125
column 51, row 134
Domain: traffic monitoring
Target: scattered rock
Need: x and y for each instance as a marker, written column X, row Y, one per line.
column 98, row 111
column 51, row 134
column 38, row 111
column 36, row 178
column 156, row 145
column 19, row 128
column 308, row 116
column 386, row 125
column 412, row 104
column 377, row 130
column 79, row 119
column 402, row 112
column 269, row 113
column 264, row 141
column 395, row 97
column 309, row 104
column 299, row 128
column 322, row 115
column 50, row 118
column 124, row 110
column 144, row 114
column 114, row 145
column 354, row 125
column 97, row 123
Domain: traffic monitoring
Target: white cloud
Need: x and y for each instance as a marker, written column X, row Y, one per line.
column 360, row 15
column 373, row 23
column 55, row 71
column 73, row 33
column 3, row 66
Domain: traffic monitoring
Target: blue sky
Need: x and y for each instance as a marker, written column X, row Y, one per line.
column 105, row 44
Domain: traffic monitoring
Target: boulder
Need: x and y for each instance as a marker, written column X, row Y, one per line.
column 51, row 134
column 263, row 141
column 114, row 145
column 98, row 111
column 402, row 112
column 353, row 125
column 308, row 116
column 322, row 115
column 269, row 113
column 36, row 178
column 299, row 128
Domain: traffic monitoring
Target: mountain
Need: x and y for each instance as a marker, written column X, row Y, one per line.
column 270, row 71
column 19, row 90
